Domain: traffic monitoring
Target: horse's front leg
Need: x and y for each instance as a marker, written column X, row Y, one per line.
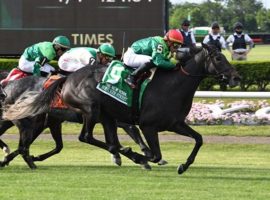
column 151, row 136
column 184, row 129
column 56, row 132
column 134, row 133
column 5, row 125
column 7, row 159
column 86, row 136
column 26, row 139
column 110, row 130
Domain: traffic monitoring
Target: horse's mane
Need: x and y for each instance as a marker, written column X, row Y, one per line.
column 96, row 70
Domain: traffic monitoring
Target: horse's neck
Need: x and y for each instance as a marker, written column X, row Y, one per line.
column 192, row 74
column 196, row 65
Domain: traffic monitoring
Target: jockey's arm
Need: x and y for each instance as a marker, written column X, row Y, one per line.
column 160, row 55
column 39, row 62
column 160, row 61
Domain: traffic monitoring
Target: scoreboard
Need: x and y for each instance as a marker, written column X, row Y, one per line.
column 84, row 22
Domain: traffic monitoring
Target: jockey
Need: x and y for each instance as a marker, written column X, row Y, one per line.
column 152, row 52
column 38, row 55
column 34, row 60
column 79, row 57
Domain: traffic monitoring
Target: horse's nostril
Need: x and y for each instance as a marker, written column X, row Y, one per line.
column 3, row 96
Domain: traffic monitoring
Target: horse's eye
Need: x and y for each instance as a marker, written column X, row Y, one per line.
column 218, row 58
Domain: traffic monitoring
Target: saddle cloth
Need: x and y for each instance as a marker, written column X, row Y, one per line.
column 113, row 84
column 57, row 102
column 14, row 74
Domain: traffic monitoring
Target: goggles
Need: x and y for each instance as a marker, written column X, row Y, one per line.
column 176, row 45
column 108, row 58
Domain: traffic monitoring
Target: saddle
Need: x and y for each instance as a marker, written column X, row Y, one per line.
column 113, row 85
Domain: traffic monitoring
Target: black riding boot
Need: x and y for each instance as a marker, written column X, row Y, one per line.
column 132, row 78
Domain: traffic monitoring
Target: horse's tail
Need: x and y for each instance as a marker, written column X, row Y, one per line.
column 32, row 103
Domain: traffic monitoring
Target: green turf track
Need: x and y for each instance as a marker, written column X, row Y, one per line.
column 259, row 53
column 221, row 171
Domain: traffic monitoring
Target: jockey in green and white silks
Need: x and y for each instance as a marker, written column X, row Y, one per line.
column 152, row 52
column 36, row 57
column 79, row 57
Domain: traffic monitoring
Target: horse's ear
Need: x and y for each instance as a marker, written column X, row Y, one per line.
column 206, row 46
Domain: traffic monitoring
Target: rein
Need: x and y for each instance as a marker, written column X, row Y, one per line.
column 191, row 75
column 208, row 57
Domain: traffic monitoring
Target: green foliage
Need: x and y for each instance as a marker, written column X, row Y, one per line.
column 252, row 73
column 262, row 19
column 225, row 12
column 10, row 63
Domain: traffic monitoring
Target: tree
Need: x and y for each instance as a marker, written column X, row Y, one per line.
column 263, row 20
column 244, row 12
column 225, row 12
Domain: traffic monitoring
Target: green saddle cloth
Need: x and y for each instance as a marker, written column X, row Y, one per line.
column 113, row 83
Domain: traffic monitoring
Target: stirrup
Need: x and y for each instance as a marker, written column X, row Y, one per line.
column 128, row 81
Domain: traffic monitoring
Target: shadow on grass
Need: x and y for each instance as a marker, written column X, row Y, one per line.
column 196, row 172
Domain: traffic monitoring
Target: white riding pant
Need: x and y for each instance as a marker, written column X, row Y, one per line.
column 134, row 60
column 71, row 61
column 28, row 66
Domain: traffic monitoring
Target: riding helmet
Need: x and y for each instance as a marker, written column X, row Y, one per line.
column 107, row 49
column 62, row 41
column 174, row 36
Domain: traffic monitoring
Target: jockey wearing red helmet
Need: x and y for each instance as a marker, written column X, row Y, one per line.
column 174, row 35
column 152, row 52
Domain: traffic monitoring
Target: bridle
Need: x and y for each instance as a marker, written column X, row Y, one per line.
column 209, row 59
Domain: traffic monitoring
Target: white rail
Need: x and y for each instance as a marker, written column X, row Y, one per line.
column 218, row 94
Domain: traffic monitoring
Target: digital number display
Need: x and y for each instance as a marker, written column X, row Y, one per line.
column 84, row 22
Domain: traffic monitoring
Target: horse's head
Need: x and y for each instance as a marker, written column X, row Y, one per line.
column 217, row 64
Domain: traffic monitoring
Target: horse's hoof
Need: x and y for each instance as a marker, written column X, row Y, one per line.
column 32, row 166
column 148, row 153
column 6, row 151
column 81, row 139
column 146, row 166
column 117, row 160
column 162, row 162
column 125, row 149
column 181, row 169
column 30, row 163
column 3, row 164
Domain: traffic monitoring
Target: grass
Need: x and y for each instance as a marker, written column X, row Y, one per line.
column 259, row 53
column 80, row 171
column 221, row 130
column 221, row 171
